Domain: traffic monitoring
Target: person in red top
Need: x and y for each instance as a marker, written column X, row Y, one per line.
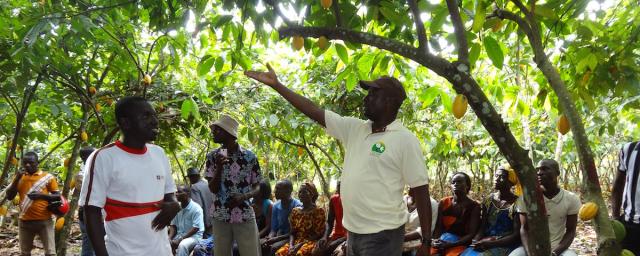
column 335, row 234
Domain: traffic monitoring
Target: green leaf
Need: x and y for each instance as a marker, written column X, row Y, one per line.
column 478, row 19
column 590, row 61
column 439, row 17
column 342, row 53
column 205, row 65
column 474, row 53
column 352, row 81
column 185, row 110
column 544, row 11
column 273, row 119
column 195, row 110
column 392, row 15
column 494, row 51
column 219, row 64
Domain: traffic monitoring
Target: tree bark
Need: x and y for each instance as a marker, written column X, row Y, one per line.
column 591, row 191
column 458, row 75
column 29, row 94
column 63, row 234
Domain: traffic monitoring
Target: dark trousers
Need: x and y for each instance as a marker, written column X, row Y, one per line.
column 383, row 243
column 630, row 241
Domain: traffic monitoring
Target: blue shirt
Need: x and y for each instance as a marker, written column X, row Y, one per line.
column 280, row 217
column 187, row 218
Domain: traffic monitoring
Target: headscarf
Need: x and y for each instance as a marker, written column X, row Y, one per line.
column 311, row 189
column 513, row 178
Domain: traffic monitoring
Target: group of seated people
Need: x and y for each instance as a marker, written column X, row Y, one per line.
column 460, row 225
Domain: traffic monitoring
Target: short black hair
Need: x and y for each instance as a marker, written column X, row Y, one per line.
column 32, row 153
column 183, row 188
column 265, row 189
column 125, row 105
column 287, row 184
column 467, row 179
column 86, row 152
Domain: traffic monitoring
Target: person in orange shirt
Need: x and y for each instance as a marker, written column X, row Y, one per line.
column 36, row 189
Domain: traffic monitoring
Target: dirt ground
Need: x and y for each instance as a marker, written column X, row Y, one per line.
column 584, row 244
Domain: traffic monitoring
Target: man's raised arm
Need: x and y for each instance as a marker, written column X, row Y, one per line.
column 303, row 104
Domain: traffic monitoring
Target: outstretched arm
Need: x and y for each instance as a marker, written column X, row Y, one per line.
column 301, row 103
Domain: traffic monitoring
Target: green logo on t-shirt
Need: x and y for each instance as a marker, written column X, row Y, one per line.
column 378, row 147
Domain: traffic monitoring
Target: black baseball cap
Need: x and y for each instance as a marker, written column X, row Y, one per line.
column 390, row 85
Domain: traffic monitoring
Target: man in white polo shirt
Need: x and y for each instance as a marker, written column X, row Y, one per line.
column 381, row 158
column 562, row 210
column 131, row 181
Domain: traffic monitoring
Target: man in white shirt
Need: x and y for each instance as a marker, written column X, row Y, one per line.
column 131, row 181
column 381, row 158
column 562, row 210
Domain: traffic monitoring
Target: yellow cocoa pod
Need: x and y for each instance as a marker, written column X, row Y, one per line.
column 563, row 125
column 59, row 223
column 146, row 80
column 72, row 184
column 326, row 3
column 84, row 136
column 14, row 161
column 92, row 90
column 588, row 211
column 66, row 162
column 323, row 43
column 459, row 107
column 298, row 42
column 626, row 252
column 300, row 151
column 3, row 210
column 16, row 200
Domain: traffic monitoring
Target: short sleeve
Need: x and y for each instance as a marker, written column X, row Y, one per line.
column 94, row 185
column 52, row 186
column 256, row 174
column 622, row 163
column 174, row 222
column 197, row 219
column 414, row 169
column 169, row 185
column 520, row 206
column 338, row 126
column 574, row 205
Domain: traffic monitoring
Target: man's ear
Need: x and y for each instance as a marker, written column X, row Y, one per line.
column 123, row 123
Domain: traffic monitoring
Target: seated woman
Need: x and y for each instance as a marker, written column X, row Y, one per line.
column 499, row 223
column 458, row 219
column 262, row 206
column 307, row 224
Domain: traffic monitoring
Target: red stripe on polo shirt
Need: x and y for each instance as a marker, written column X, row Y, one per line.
column 118, row 209
column 137, row 151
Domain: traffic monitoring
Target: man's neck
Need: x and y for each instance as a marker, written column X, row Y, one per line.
column 381, row 125
column 231, row 146
column 133, row 142
column 551, row 192
column 184, row 204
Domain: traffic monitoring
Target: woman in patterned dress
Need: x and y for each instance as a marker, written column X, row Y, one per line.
column 499, row 226
column 307, row 224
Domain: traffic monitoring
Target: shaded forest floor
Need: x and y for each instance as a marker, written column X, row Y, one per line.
column 584, row 244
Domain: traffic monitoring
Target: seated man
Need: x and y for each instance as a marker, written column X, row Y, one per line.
column 562, row 208
column 280, row 218
column 188, row 225
column 413, row 232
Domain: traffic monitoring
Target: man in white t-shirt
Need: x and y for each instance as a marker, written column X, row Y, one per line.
column 562, row 210
column 382, row 157
column 131, row 181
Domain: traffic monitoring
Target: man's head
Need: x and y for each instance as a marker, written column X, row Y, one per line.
column 136, row 118
column 548, row 171
column 194, row 175
column 30, row 162
column 86, row 152
column 183, row 195
column 284, row 188
column 224, row 129
column 384, row 98
column 460, row 183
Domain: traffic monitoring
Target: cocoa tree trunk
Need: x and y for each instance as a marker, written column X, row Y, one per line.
column 457, row 73
column 29, row 94
column 63, row 235
column 591, row 191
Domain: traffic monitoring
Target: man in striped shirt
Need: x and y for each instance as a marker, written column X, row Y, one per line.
column 626, row 193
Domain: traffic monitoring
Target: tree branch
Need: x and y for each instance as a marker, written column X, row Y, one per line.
column 326, row 154
column 534, row 39
column 422, row 34
column 461, row 37
column 10, row 101
column 70, row 136
column 435, row 63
